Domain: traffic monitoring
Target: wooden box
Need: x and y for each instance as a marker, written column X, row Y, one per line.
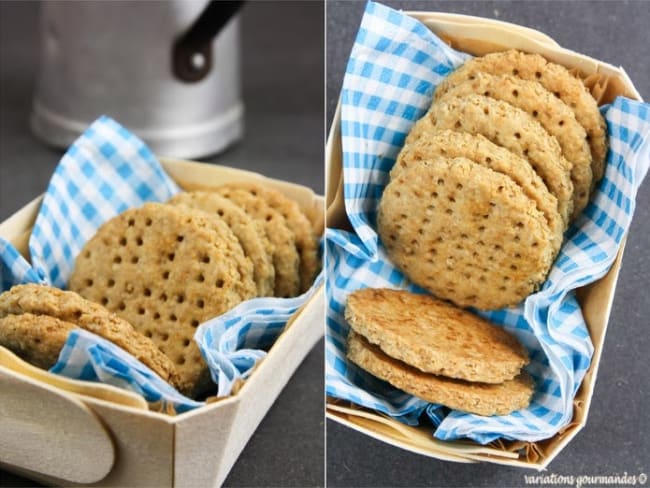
column 480, row 36
column 66, row 432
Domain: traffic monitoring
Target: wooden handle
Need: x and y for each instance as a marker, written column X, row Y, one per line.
column 47, row 431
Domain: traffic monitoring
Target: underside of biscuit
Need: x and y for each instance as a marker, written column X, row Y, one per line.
column 37, row 339
column 434, row 336
column 47, row 306
column 479, row 398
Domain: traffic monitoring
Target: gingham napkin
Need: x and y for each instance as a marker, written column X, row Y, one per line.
column 394, row 67
column 106, row 171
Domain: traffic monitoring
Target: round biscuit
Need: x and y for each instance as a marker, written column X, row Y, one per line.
column 303, row 231
column 286, row 259
column 554, row 78
column 515, row 130
column 37, row 339
column 166, row 269
column 434, row 336
column 70, row 307
column 465, row 233
column 553, row 114
column 248, row 231
column 425, row 142
column 472, row 397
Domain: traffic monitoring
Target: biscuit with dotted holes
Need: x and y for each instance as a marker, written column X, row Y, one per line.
column 303, row 231
column 248, row 231
column 45, row 301
column 515, row 130
column 479, row 398
column 553, row 114
column 425, row 142
column 286, row 259
column 166, row 269
column 434, row 336
column 554, row 78
column 465, row 233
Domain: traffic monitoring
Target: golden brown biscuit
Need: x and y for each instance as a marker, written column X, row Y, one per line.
column 553, row 114
column 514, row 129
column 248, row 231
column 554, row 78
column 286, row 259
column 425, row 142
column 465, row 233
column 306, row 240
column 69, row 307
column 37, row 339
column 434, row 336
column 166, row 269
column 479, row 398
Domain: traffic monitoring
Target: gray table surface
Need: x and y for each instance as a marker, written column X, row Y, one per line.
column 616, row 439
column 283, row 85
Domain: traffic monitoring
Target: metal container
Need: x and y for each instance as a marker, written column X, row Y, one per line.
column 169, row 71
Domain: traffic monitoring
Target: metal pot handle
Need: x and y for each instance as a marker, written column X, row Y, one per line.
column 192, row 51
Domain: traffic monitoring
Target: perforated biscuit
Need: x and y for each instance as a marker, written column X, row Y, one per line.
column 465, row 233
column 70, row 307
column 425, row 142
column 286, row 259
column 479, row 398
column 37, row 339
column 554, row 78
column 166, row 269
column 434, row 336
column 515, row 130
column 248, row 231
column 306, row 240
column 553, row 114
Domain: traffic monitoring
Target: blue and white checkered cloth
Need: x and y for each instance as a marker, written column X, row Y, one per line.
column 106, row 171
column 86, row 356
column 394, row 67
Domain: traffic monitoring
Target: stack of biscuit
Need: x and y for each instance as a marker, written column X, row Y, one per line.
column 490, row 178
column 35, row 321
column 163, row 269
column 437, row 352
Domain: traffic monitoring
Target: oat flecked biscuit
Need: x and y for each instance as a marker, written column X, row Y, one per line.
column 248, row 231
column 554, row 78
column 434, row 336
column 286, row 259
column 306, row 240
column 517, row 131
column 479, row 398
column 465, row 233
column 37, row 339
column 424, row 142
column 166, row 269
column 67, row 306
column 553, row 114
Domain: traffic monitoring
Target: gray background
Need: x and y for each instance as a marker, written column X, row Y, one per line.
column 616, row 438
column 283, row 87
